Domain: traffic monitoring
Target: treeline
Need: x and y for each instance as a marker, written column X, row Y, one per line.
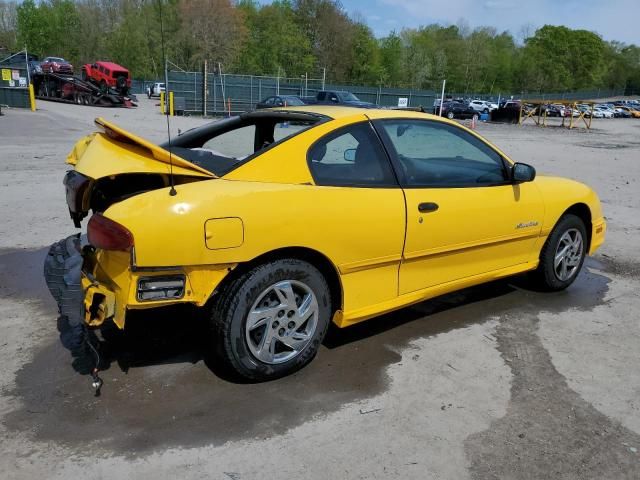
column 294, row 37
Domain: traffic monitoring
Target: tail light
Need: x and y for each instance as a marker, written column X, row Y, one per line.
column 106, row 234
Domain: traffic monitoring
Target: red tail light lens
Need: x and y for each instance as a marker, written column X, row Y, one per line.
column 109, row 235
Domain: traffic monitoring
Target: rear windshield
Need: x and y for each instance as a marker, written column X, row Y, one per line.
column 236, row 142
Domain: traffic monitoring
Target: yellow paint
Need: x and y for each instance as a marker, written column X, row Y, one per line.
column 32, row 98
column 171, row 103
column 271, row 203
column 223, row 233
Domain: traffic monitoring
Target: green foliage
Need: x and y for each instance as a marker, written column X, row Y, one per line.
column 297, row 37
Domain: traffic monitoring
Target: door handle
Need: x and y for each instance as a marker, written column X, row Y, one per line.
column 427, row 207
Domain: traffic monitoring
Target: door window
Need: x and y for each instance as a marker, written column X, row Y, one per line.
column 435, row 154
column 350, row 156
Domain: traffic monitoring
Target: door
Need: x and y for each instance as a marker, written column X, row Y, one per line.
column 361, row 208
column 464, row 216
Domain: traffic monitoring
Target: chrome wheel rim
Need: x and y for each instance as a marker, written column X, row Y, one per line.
column 281, row 322
column 568, row 254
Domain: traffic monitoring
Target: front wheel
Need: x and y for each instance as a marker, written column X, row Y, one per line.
column 450, row 115
column 563, row 254
column 270, row 321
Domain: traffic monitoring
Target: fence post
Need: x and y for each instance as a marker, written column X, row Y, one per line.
column 204, row 91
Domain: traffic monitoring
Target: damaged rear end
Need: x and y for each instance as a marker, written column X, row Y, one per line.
column 92, row 276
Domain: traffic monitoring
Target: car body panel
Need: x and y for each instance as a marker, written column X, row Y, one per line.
column 128, row 153
column 271, row 203
column 474, row 231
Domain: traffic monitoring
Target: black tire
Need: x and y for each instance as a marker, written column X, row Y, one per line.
column 230, row 310
column 450, row 115
column 545, row 276
column 103, row 86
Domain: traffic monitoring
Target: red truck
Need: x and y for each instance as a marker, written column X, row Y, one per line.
column 107, row 75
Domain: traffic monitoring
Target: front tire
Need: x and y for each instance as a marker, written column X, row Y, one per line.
column 270, row 321
column 450, row 115
column 562, row 255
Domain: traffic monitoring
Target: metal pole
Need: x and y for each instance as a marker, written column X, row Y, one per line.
column 26, row 59
column 306, row 84
column 324, row 76
column 205, row 95
column 166, row 86
column 278, row 82
column 444, row 82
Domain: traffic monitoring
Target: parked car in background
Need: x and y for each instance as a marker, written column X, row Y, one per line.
column 456, row 109
column 482, row 106
column 107, row 75
column 621, row 113
column 56, row 65
column 338, row 97
column 280, row 101
column 155, row 89
column 630, row 110
column 603, row 111
column 34, row 67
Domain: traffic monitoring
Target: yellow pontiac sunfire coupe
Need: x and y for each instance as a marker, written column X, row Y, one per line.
column 281, row 221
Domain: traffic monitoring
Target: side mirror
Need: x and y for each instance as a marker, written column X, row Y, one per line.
column 350, row 155
column 521, row 172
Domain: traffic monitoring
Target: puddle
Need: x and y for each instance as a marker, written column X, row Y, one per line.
column 159, row 392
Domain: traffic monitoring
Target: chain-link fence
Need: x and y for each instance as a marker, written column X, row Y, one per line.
column 239, row 93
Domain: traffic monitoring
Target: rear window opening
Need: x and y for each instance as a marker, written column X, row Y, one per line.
column 222, row 146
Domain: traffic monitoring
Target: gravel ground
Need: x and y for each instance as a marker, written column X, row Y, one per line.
column 491, row 382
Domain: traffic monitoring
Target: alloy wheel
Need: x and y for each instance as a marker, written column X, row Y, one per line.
column 568, row 254
column 281, row 322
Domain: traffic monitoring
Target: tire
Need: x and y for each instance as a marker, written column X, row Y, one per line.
column 549, row 276
column 103, row 86
column 262, row 297
column 450, row 115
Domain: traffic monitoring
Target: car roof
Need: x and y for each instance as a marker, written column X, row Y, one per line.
column 337, row 112
column 111, row 65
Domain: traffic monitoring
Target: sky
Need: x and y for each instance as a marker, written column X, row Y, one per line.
column 612, row 19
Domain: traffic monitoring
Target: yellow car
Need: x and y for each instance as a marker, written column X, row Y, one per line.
column 635, row 113
column 282, row 221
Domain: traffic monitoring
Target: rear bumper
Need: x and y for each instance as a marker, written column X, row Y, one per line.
column 92, row 286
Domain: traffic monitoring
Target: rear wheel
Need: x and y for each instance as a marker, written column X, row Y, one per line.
column 563, row 254
column 271, row 320
column 450, row 115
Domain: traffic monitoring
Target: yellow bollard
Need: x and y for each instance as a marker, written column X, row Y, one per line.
column 32, row 98
column 171, row 103
column 162, row 102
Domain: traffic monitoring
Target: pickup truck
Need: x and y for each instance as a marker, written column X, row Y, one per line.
column 337, row 97
column 155, row 89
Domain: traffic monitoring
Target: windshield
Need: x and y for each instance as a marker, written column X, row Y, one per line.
column 56, row 59
column 348, row 97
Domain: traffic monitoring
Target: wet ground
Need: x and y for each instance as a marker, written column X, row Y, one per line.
column 493, row 382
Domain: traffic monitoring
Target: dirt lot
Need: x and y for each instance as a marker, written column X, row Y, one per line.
column 492, row 382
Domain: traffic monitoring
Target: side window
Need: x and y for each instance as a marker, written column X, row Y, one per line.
column 350, row 156
column 269, row 101
column 441, row 155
